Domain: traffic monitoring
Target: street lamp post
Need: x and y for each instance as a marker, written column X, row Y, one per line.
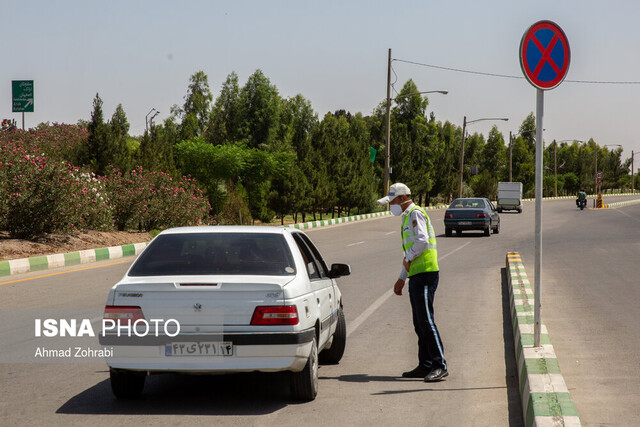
column 510, row 155
column 151, row 119
column 511, row 135
column 633, row 188
column 146, row 119
column 464, row 129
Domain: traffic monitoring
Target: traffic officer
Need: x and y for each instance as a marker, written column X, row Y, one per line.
column 420, row 265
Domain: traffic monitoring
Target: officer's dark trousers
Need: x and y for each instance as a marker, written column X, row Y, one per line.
column 422, row 289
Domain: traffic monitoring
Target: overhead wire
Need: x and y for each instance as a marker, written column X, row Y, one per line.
column 507, row 76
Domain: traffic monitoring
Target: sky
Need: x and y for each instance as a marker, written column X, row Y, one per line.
column 141, row 54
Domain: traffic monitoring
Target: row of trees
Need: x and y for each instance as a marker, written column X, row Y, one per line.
column 257, row 155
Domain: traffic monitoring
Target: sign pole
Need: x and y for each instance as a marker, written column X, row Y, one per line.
column 538, row 227
column 544, row 59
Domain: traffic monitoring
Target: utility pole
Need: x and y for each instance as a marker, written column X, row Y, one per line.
column 555, row 169
column 464, row 129
column 633, row 190
column 595, row 184
column 510, row 153
column 387, row 157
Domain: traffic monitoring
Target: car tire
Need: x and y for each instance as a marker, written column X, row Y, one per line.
column 496, row 229
column 304, row 384
column 458, row 233
column 487, row 231
column 499, row 210
column 333, row 354
column 448, row 232
column 519, row 210
column 127, row 384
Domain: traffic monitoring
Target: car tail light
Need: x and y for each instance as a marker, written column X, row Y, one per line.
column 126, row 315
column 448, row 215
column 275, row 315
column 481, row 215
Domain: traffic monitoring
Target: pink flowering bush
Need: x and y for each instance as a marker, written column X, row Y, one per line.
column 60, row 141
column 41, row 193
column 38, row 195
column 148, row 200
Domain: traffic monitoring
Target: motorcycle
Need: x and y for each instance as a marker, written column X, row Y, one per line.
column 581, row 203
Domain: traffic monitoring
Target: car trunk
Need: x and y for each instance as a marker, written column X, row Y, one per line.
column 201, row 301
column 465, row 213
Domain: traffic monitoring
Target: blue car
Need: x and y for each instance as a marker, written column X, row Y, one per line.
column 471, row 214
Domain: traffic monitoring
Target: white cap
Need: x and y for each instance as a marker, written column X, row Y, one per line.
column 397, row 189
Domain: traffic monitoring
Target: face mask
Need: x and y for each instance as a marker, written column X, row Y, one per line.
column 396, row 210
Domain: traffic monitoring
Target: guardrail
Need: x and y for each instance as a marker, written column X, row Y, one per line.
column 546, row 401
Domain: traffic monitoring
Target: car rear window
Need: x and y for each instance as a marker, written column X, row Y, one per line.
column 468, row 203
column 216, row 253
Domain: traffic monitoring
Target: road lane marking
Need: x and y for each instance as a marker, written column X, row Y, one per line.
column 384, row 297
column 391, row 232
column 357, row 243
column 626, row 214
column 62, row 272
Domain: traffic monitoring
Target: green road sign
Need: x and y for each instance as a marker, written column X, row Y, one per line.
column 22, row 96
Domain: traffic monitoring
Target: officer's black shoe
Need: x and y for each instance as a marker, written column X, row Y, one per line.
column 436, row 375
column 419, row 372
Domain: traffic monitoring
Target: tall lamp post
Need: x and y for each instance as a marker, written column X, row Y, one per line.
column 387, row 157
column 151, row 119
column 511, row 136
column 464, row 130
column 633, row 188
column 146, row 119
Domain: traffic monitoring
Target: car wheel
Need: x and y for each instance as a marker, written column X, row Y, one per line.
column 448, row 232
column 458, row 232
column 126, row 384
column 304, row 384
column 487, row 231
column 499, row 210
column 496, row 229
column 519, row 210
column 333, row 354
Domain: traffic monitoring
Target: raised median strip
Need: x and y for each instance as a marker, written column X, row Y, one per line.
column 546, row 401
column 621, row 204
column 45, row 262
column 334, row 221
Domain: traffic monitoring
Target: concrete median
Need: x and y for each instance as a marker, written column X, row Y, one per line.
column 546, row 401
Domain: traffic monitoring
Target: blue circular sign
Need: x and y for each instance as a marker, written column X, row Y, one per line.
column 545, row 55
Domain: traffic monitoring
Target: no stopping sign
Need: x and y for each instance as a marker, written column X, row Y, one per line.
column 544, row 55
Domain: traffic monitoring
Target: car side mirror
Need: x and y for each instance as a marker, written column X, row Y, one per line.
column 338, row 270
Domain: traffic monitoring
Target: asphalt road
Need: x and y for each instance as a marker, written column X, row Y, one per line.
column 590, row 307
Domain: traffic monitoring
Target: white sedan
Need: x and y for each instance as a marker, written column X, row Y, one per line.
column 213, row 300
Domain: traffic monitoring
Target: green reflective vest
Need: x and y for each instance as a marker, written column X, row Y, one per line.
column 427, row 260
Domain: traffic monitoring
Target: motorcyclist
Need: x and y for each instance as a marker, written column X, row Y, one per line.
column 582, row 197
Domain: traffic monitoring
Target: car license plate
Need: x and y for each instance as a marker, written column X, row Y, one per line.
column 464, row 222
column 218, row 348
